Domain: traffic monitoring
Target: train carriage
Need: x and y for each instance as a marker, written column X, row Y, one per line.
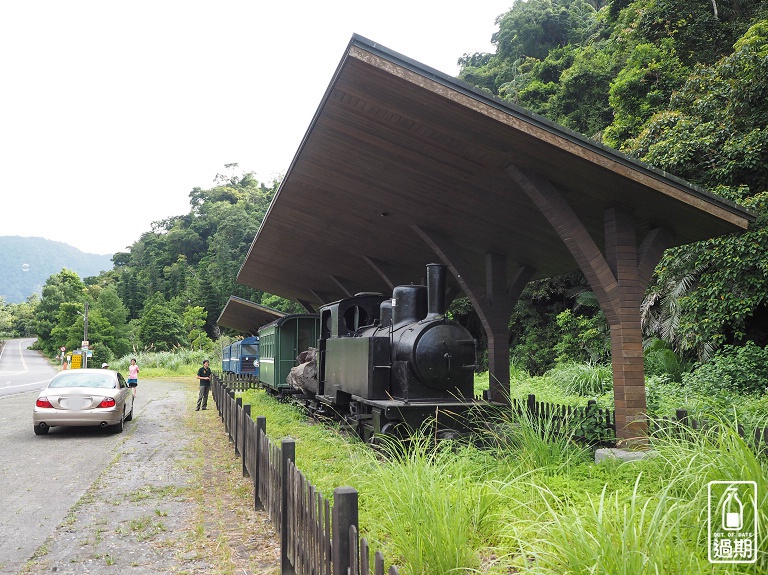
column 281, row 342
column 242, row 357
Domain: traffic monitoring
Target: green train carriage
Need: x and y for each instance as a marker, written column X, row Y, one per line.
column 280, row 343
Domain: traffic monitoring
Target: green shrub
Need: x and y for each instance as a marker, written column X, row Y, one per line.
column 740, row 369
column 582, row 338
column 660, row 360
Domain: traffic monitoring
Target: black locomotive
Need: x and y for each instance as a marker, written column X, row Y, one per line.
column 386, row 365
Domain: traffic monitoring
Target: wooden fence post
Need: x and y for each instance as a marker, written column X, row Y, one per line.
column 238, row 419
column 246, row 417
column 230, row 412
column 287, row 453
column 345, row 515
column 261, row 430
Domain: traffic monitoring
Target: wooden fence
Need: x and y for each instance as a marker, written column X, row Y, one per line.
column 238, row 382
column 591, row 423
column 598, row 425
column 682, row 424
column 315, row 538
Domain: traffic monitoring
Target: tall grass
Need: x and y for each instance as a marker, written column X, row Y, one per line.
column 542, row 444
column 163, row 363
column 531, row 500
column 432, row 503
column 718, row 453
column 584, row 379
column 449, row 507
column 611, row 534
column 664, row 532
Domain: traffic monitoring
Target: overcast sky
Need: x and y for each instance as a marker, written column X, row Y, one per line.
column 112, row 111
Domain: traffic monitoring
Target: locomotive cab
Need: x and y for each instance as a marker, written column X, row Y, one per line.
column 345, row 317
column 345, row 358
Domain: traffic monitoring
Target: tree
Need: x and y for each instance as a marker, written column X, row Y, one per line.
column 60, row 289
column 6, row 319
column 195, row 257
column 194, row 318
column 642, row 88
column 715, row 135
column 532, row 29
column 24, row 316
column 112, row 333
column 161, row 329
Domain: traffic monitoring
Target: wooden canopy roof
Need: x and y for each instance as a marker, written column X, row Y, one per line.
column 400, row 158
column 246, row 316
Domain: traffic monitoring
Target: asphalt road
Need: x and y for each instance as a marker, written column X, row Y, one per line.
column 22, row 369
column 42, row 477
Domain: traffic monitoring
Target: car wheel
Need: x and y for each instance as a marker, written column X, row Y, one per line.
column 118, row 427
column 41, row 429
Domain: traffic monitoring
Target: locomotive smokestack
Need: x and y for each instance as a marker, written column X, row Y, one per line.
column 435, row 290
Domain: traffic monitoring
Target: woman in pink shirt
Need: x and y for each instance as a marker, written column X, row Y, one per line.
column 133, row 376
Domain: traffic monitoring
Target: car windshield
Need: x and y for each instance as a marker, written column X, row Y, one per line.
column 85, row 379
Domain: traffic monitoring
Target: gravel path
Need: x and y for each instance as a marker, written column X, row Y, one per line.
column 173, row 500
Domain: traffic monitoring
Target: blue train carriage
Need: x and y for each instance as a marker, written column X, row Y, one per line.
column 242, row 357
column 280, row 344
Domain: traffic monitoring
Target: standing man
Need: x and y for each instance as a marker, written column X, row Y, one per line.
column 204, row 375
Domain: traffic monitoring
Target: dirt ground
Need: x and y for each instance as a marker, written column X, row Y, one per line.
column 173, row 500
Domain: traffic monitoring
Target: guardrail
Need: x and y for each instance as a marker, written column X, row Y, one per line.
column 315, row 537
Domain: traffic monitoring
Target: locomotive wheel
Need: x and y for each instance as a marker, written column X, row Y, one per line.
column 448, row 434
column 395, row 429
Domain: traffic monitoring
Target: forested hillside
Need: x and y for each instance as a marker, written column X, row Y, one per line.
column 679, row 84
column 166, row 291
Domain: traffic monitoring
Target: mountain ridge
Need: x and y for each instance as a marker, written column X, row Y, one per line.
column 27, row 262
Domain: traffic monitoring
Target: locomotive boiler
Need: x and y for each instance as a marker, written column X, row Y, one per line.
column 389, row 364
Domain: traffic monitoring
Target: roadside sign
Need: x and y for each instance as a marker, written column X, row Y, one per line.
column 77, row 361
column 63, row 348
column 85, row 344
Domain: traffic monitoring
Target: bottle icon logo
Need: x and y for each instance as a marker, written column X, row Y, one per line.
column 732, row 521
column 733, row 510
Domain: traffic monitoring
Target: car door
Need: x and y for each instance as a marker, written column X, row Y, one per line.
column 126, row 394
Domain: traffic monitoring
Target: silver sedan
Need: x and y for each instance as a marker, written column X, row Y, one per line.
column 84, row 397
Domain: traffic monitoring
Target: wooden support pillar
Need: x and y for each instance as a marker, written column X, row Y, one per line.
column 492, row 299
column 497, row 306
column 496, row 324
column 626, row 331
column 618, row 278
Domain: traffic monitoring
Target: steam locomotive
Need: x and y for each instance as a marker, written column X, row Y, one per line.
column 385, row 365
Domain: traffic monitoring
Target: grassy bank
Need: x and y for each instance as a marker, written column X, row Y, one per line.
column 530, row 503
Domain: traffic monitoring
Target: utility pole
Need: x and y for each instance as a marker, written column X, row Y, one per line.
column 84, row 349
